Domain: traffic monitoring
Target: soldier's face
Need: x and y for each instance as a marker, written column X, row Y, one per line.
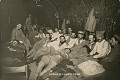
column 19, row 26
column 64, row 31
column 47, row 36
column 112, row 41
column 62, row 39
column 73, row 35
column 99, row 38
column 67, row 51
column 29, row 15
column 91, row 38
column 14, row 43
column 69, row 30
column 60, row 31
column 40, row 31
column 56, row 29
column 80, row 36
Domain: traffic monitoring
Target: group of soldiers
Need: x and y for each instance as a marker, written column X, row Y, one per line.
column 55, row 46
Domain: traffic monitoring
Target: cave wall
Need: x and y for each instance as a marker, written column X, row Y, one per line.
column 13, row 12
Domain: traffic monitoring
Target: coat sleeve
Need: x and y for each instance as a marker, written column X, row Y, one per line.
column 22, row 35
column 105, row 51
column 94, row 50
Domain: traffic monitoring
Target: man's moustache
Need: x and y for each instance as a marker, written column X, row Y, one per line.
column 62, row 42
column 98, row 40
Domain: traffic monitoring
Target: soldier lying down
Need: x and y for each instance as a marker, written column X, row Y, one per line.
column 53, row 57
column 67, row 65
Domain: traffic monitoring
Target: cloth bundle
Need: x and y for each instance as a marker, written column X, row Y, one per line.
column 90, row 68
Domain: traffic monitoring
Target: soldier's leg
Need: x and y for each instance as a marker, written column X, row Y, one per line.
column 33, row 68
column 30, row 53
column 40, row 66
column 50, row 65
column 44, row 61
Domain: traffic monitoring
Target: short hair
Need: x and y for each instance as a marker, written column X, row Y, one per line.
column 49, row 35
column 68, row 49
column 16, row 40
column 93, row 35
column 62, row 36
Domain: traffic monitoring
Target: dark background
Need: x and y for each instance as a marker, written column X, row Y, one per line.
column 13, row 12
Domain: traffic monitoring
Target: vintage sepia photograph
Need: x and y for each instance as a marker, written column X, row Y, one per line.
column 59, row 39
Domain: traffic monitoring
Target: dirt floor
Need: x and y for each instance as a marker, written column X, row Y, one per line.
column 114, row 75
column 15, row 76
